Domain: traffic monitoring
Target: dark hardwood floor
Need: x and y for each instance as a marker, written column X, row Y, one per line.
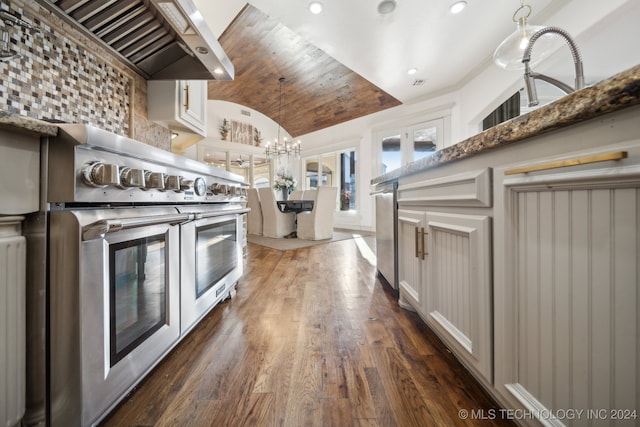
column 312, row 338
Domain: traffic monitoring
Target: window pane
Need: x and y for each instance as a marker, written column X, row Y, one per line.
column 425, row 140
column 348, row 182
column 311, row 173
column 328, row 169
column 391, row 154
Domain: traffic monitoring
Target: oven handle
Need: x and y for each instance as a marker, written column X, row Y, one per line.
column 210, row 214
column 99, row 229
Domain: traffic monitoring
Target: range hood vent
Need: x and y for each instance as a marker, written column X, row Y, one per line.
column 161, row 39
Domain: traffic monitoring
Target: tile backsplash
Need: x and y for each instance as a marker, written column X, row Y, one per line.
column 63, row 75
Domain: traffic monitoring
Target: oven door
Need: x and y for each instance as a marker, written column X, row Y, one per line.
column 211, row 263
column 114, row 305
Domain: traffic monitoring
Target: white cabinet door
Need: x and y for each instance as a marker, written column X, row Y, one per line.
column 568, row 285
column 458, row 299
column 193, row 103
column 178, row 105
column 411, row 257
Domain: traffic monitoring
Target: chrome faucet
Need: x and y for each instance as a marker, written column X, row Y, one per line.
column 530, row 76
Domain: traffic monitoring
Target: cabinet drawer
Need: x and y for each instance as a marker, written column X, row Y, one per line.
column 472, row 189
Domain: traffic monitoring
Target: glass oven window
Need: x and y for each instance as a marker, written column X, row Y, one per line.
column 138, row 292
column 216, row 254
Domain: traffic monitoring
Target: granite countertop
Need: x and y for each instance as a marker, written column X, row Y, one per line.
column 15, row 122
column 616, row 93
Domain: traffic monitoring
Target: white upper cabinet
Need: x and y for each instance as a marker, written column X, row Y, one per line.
column 179, row 105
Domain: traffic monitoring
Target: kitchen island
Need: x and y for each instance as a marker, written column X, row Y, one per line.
column 519, row 248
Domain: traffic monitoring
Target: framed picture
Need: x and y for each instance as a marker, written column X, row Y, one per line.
column 241, row 133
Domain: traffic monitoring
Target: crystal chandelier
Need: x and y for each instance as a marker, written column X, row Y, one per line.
column 281, row 147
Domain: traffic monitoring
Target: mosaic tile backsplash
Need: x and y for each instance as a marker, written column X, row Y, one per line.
column 65, row 76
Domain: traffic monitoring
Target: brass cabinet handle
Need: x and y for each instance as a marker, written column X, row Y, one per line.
column 424, row 252
column 186, row 104
column 419, row 239
column 616, row 155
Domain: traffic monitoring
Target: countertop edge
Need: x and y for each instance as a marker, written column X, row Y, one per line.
column 613, row 94
column 16, row 123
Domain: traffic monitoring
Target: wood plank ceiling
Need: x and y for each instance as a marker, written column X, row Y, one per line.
column 319, row 92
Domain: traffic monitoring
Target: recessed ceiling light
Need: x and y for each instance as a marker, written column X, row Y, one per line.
column 315, row 7
column 386, row 6
column 218, row 70
column 412, row 71
column 458, row 7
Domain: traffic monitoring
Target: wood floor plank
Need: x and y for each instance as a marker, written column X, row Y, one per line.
column 312, row 338
column 409, row 407
column 336, row 413
column 384, row 413
column 358, row 391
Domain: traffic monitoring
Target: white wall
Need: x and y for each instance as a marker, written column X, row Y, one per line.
column 606, row 33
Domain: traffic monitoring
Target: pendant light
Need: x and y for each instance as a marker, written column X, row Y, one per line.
column 509, row 53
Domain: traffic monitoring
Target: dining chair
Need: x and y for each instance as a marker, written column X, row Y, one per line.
column 274, row 223
column 309, row 194
column 254, row 217
column 296, row 195
column 317, row 224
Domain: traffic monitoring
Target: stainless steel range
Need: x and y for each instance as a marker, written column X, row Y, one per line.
column 142, row 244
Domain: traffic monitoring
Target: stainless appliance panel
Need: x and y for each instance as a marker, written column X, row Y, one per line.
column 201, row 288
column 80, row 146
column 84, row 382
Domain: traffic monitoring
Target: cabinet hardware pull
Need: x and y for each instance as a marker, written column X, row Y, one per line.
column 186, row 103
column 617, row 155
column 424, row 252
column 419, row 238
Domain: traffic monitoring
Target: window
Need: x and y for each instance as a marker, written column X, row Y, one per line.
column 424, row 139
column 337, row 169
column 404, row 145
column 348, row 181
column 391, row 154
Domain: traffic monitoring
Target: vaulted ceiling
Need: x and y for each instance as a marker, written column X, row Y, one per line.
column 350, row 60
column 317, row 91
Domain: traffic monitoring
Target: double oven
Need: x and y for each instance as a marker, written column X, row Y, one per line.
column 142, row 244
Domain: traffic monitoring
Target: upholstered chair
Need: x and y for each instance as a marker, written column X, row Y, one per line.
column 296, row 195
column 309, row 194
column 318, row 223
column 274, row 222
column 254, row 218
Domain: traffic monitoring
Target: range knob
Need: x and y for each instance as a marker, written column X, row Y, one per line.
column 131, row 177
column 172, row 182
column 200, row 186
column 220, row 189
column 100, row 174
column 186, row 184
column 154, row 180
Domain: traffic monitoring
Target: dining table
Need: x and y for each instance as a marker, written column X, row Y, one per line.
column 295, row 206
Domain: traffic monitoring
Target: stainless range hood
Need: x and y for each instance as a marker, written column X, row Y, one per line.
column 161, row 39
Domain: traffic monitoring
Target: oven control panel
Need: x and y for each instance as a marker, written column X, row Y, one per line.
column 105, row 177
